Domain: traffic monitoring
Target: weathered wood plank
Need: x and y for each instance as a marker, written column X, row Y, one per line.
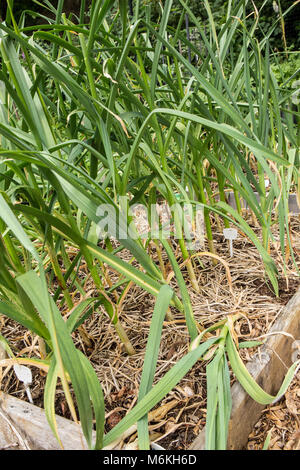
column 293, row 205
column 31, row 423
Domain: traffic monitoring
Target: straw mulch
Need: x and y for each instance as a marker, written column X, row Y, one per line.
column 179, row 417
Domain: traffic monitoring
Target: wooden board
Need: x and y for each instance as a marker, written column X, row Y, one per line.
column 293, row 205
column 24, row 425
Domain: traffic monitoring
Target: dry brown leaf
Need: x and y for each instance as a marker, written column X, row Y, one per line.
column 273, row 443
column 160, row 413
column 210, row 353
column 294, row 442
column 113, row 419
column 292, row 404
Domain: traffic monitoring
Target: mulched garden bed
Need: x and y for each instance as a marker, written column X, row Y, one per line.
column 180, row 416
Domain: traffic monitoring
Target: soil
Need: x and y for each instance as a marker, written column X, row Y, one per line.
column 180, row 416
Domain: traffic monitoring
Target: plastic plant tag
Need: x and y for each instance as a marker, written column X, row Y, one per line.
column 155, row 446
column 230, row 234
column 23, row 373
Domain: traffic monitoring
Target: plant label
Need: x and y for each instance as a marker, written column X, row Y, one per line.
column 230, row 234
column 23, row 373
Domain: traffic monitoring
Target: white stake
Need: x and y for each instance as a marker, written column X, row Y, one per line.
column 23, row 373
column 230, row 234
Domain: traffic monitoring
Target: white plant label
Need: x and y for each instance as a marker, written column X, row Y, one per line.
column 24, row 374
column 230, row 234
column 155, row 446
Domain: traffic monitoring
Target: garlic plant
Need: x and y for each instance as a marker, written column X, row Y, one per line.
column 88, row 117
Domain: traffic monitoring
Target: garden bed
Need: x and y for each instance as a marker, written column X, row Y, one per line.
column 24, row 426
column 180, row 416
column 94, row 123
